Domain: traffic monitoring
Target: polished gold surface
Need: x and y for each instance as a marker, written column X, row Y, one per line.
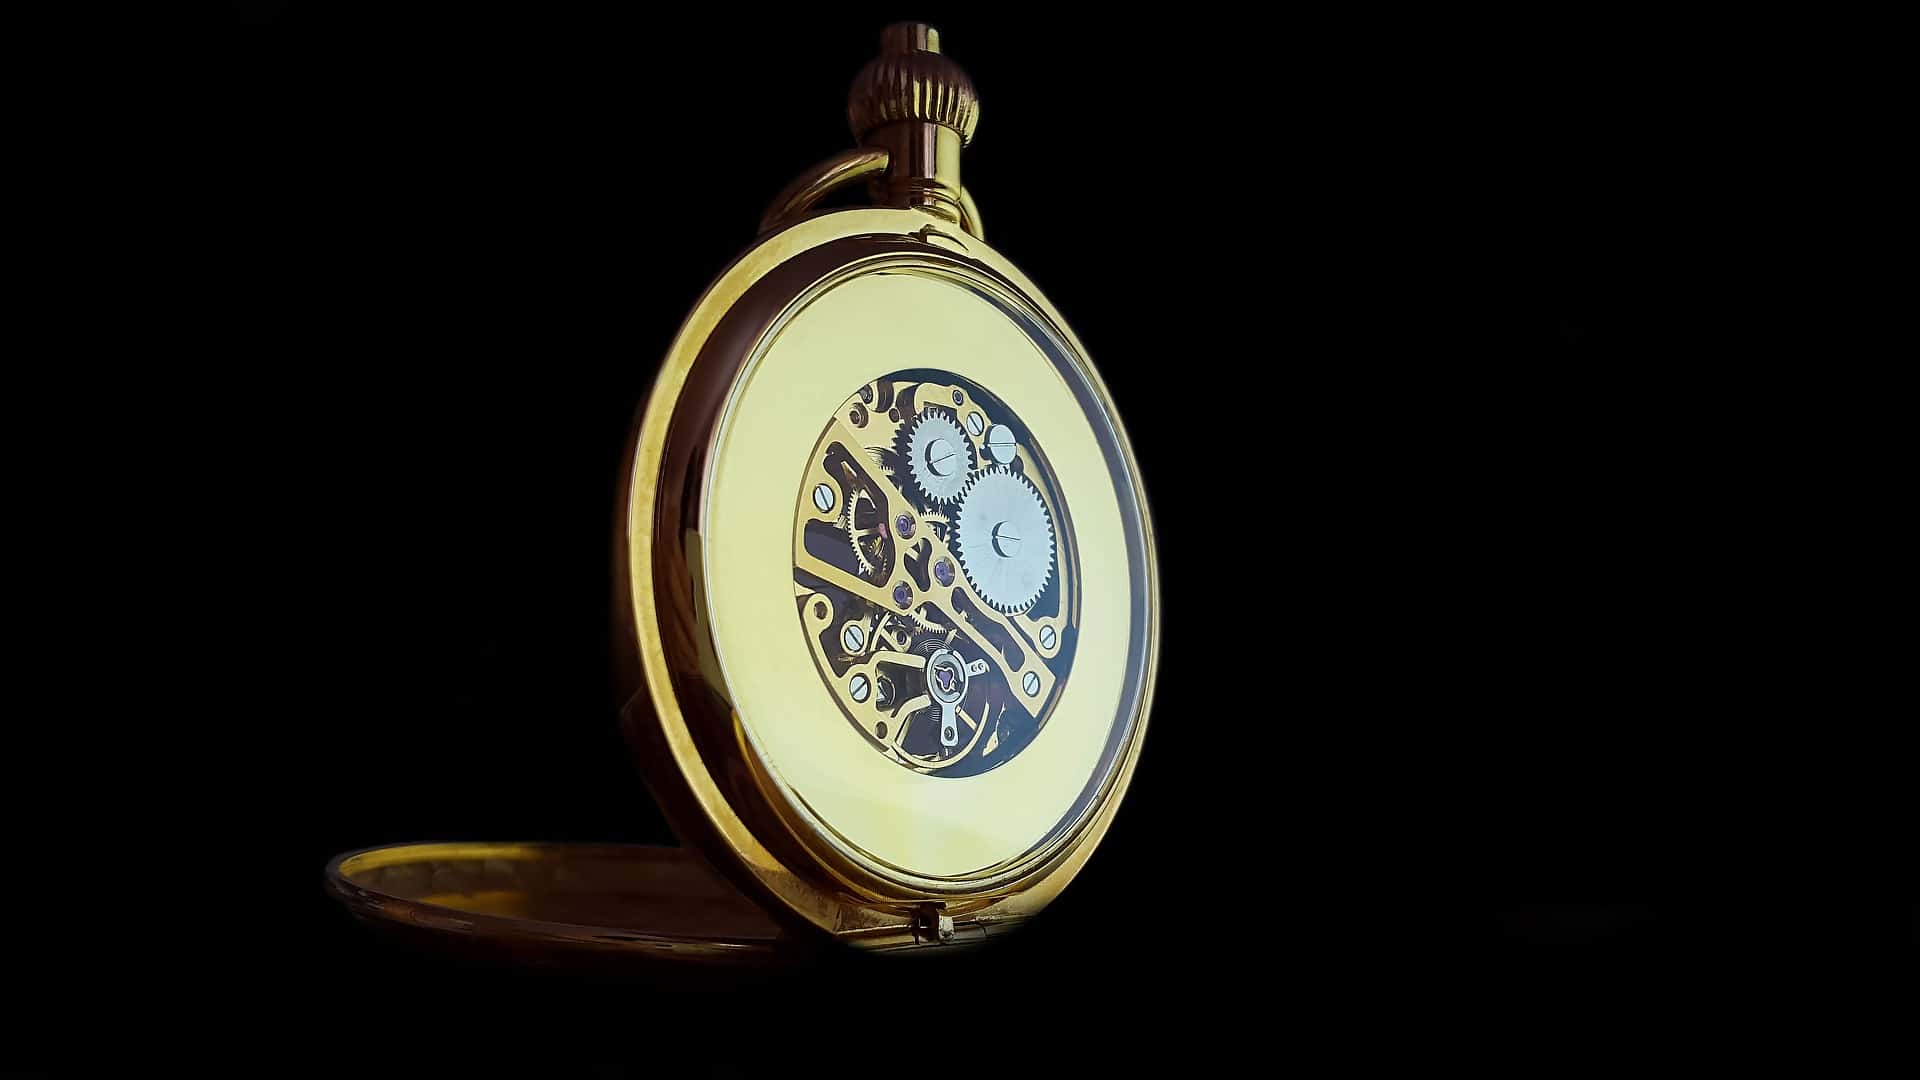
column 539, row 900
column 817, row 823
column 838, row 171
column 752, row 759
column 911, row 81
column 920, row 107
column 846, row 167
column 912, row 110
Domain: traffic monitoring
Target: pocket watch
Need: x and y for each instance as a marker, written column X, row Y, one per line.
column 887, row 593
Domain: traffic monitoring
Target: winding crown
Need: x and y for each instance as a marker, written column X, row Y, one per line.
column 911, row 80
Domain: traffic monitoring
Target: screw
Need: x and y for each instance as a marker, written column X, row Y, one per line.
column 1005, row 540
column 976, row 424
column 853, row 637
column 1000, row 444
column 823, row 497
column 859, row 688
column 1031, row 683
column 1048, row 639
column 942, row 458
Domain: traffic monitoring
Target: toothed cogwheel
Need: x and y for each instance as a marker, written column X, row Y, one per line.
column 938, row 455
column 867, row 530
column 1005, row 540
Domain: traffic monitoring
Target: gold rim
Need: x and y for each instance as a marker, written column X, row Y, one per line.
column 689, row 737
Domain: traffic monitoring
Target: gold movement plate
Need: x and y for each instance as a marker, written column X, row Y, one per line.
column 933, row 558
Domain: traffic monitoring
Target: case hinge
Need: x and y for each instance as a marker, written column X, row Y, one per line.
column 931, row 925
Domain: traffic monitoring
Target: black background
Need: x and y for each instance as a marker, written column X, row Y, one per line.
column 1391, row 306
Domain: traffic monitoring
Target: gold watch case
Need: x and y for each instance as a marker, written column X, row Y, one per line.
column 886, row 586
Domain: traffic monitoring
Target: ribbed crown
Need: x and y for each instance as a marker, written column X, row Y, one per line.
column 911, row 80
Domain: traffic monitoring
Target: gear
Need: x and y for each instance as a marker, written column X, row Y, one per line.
column 938, row 454
column 1005, row 540
column 866, row 529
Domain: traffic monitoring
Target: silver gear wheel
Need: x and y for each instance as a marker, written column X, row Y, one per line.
column 939, row 457
column 1005, row 540
column 867, row 530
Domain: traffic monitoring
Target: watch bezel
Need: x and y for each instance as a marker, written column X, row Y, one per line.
column 690, row 744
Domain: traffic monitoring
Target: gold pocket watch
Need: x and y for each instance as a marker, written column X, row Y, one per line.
column 887, row 588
